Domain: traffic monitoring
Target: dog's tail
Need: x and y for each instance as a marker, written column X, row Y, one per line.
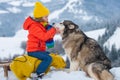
column 98, row 72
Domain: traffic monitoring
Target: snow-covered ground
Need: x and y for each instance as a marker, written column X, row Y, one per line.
column 61, row 75
column 77, row 75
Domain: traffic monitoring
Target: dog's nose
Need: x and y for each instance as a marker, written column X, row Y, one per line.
column 53, row 23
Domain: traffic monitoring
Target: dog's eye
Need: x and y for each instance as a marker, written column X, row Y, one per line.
column 53, row 23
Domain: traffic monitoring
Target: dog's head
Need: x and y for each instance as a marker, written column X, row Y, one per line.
column 66, row 27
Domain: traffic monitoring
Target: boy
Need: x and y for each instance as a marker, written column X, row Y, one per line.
column 38, row 36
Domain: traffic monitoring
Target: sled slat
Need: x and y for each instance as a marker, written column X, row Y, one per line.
column 5, row 67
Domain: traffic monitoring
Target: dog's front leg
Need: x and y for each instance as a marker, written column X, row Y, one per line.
column 74, row 66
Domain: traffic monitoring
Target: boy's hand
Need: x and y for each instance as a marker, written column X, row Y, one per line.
column 57, row 30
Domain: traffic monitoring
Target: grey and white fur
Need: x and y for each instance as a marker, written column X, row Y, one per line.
column 84, row 52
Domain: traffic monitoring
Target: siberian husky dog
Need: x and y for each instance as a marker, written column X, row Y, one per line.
column 84, row 52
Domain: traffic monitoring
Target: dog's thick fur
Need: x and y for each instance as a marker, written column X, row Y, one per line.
column 83, row 52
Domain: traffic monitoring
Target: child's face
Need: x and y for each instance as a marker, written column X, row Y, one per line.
column 45, row 18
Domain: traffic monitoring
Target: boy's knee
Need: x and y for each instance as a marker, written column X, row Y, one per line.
column 49, row 58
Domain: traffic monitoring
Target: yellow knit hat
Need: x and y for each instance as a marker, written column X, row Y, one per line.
column 40, row 10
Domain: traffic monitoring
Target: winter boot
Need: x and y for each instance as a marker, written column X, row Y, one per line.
column 41, row 75
column 34, row 76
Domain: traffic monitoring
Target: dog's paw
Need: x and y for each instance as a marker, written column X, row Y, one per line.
column 66, row 70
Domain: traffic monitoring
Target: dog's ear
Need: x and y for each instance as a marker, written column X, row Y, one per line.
column 71, row 26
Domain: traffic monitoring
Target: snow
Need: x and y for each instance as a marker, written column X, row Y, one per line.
column 96, row 33
column 15, row 3
column 21, row 34
column 76, row 75
column 10, row 46
column 3, row 11
column 24, row 3
column 11, row 76
column 116, row 72
column 45, row 1
column 55, row 14
column 14, row 10
column 28, row 4
column 62, row 75
column 71, row 8
column 114, row 40
column 4, row 1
